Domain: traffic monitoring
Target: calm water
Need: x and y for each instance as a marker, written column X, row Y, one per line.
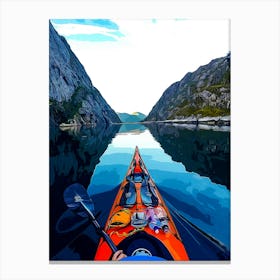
column 190, row 165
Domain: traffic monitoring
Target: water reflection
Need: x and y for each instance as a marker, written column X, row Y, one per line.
column 204, row 151
column 136, row 128
column 74, row 153
column 99, row 160
column 195, row 197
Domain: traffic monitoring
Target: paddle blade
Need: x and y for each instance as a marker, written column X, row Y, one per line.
column 74, row 195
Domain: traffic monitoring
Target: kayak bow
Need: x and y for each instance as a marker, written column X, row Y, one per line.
column 139, row 222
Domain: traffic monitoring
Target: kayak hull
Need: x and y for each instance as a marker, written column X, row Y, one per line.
column 139, row 221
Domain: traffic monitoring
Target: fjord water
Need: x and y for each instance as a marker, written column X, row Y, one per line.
column 190, row 165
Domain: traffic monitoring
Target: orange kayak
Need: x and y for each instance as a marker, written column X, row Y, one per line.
column 139, row 222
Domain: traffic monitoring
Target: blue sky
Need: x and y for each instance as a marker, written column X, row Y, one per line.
column 132, row 62
column 107, row 23
column 102, row 29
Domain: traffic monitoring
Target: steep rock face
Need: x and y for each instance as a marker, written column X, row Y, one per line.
column 73, row 98
column 205, row 92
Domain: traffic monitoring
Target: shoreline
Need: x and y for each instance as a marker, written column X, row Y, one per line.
column 220, row 121
column 209, row 121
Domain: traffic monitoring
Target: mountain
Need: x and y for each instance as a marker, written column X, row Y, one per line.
column 134, row 117
column 72, row 97
column 203, row 93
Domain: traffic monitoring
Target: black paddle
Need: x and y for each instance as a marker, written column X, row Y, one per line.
column 78, row 200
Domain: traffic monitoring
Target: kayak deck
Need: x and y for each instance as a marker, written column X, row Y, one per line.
column 139, row 221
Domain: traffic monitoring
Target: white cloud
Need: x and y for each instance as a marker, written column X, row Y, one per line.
column 132, row 73
column 77, row 29
column 69, row 29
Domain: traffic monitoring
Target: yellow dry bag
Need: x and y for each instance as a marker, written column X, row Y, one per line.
column 120, row 218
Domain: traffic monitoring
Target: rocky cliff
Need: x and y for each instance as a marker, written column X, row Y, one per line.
column 203, row 93
column 72, row 97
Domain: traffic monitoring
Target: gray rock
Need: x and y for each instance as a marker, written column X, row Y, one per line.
column 73, row 98
column 205, row 91
column 213, row 97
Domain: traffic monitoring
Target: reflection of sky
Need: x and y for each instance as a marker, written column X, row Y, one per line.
column 114, row 162
column 203, row 202
column 129, row 140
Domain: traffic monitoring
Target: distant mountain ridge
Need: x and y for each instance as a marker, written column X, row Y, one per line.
column 134, row 117
column 202, row 93
column 73, row 100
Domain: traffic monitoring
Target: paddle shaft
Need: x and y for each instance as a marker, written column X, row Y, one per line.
column 101, row 231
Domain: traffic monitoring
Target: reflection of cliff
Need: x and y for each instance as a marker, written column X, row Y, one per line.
column 81, row 244
column 130, row 128
column 205, row 152
column 73, row 157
